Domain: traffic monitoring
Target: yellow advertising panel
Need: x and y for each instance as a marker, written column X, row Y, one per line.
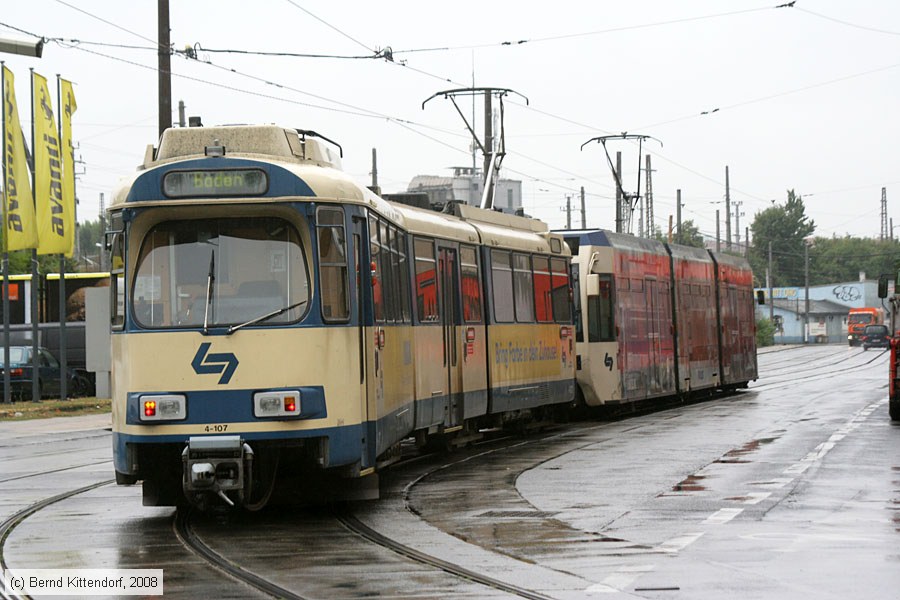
column 20, row 231
column 68, row 108
column 53, row 235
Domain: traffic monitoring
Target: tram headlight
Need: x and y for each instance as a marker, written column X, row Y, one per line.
column 277, row 404
column 163, row 407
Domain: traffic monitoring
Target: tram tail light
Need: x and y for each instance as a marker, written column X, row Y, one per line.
column 163, row 407
column 274, row 404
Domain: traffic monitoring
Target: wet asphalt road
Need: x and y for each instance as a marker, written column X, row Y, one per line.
column 788, row 490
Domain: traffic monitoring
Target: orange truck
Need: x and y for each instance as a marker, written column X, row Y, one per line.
column 857, row 320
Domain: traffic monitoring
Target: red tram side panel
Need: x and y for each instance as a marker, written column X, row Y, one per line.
column 696, row 333
column 737, row 321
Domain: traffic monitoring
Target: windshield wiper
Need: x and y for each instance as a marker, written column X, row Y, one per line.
column 265, row 317
column 209, row 287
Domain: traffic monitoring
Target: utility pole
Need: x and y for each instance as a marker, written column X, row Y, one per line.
column 718, row 238
column 727, row 211
column 102, row 251
column 583, row 213
column 770, row 277
column 617, row 177
column 181, row 120
column 747, row 242
column 678, row 215
column 164, row 69
column 568, row 211
column 884, row 218
column 488, row 138
column 640, row 227
column 737, row 224
column 375, row 170
column 649, row 202
column 806, row 310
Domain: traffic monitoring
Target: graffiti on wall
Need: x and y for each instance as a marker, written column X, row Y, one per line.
column 846, row 293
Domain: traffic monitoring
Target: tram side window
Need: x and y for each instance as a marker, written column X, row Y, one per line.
column 577, row 307
column 522, row 288
column 333, row 264
column 471, row 284
column 601, row 325
column 398, row 253
column 502, row 284
column 378, row 271
column 390, row 285
column 389, row 290
column 562, row 312
column 426, row 282
column 117, row 281
column 543, row 304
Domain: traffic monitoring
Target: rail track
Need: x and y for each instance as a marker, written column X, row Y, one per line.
column 8, row 525
column 184, row 531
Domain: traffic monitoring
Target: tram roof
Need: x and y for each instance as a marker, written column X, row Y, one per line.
column 316, row 173
column 603, row 237
column 315, row 166
column 470, row 224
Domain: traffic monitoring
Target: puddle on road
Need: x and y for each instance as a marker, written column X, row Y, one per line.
column 734, row 456
column 690, row 484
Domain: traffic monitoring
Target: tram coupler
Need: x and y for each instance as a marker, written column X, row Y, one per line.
column 214, row 466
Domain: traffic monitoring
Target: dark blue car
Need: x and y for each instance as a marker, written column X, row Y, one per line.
column 20, row 375
column 876, row 336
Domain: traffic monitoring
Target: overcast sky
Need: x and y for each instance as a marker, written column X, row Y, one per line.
column 801, row 97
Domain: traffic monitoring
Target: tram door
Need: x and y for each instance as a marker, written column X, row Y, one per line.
column 449, row 270
column 361, row 301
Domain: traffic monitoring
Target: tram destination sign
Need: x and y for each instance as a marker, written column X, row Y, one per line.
column 207, row 183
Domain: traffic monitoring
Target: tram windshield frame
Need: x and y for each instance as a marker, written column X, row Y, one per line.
column 220, row 272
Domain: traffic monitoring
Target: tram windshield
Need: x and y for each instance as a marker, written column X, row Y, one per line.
column 220, row 272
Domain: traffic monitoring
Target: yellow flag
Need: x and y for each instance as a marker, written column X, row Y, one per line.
column 53, row 235
column 66, row 110
column 19, row 228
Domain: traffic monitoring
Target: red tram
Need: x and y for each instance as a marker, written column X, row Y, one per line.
column 658, row 320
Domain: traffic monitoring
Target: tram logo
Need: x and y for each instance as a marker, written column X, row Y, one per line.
column 223, row 363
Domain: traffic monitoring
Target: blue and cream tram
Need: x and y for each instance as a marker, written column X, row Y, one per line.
column 270, row 315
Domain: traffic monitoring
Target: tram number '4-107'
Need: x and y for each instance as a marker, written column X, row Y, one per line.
column 216, row 428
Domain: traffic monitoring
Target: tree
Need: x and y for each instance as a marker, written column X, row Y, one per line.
column 689, row 235
column 90, row 233
column 765, row 333
column 833, row 260
column 786, row 227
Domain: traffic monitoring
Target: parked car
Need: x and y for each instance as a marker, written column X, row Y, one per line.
column 876, row 336
column 20, row 375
